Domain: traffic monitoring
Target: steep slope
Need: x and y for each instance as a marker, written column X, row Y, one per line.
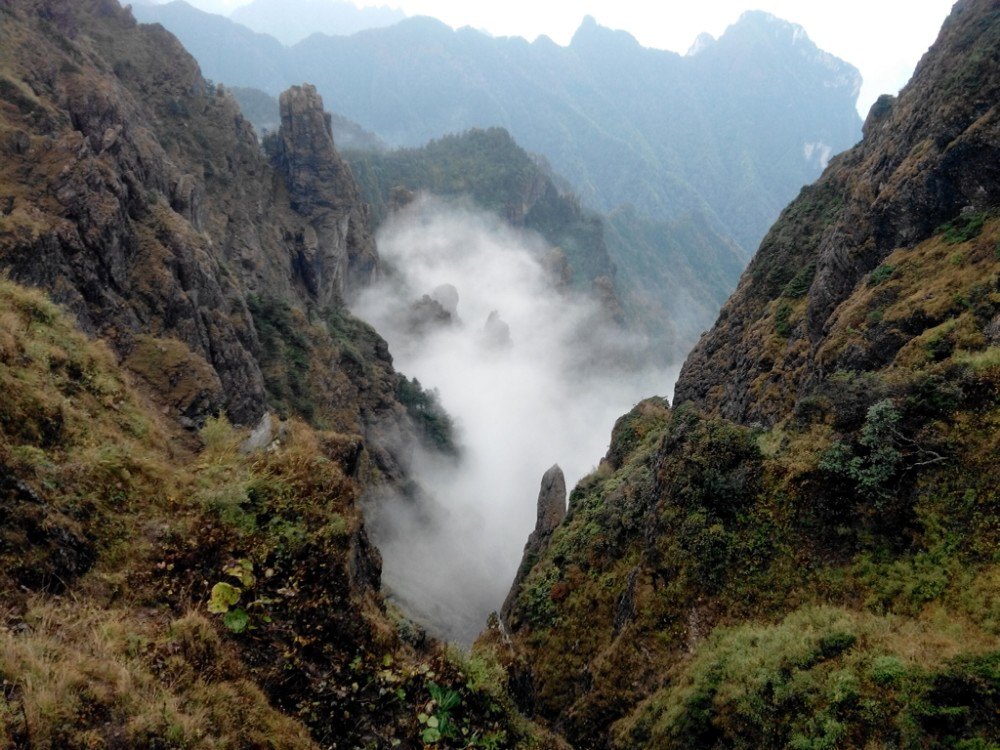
column 162, row 591
column 732, row 132
column 161, row 586
column 139, row 197
column 928, row 166
column 803, row 552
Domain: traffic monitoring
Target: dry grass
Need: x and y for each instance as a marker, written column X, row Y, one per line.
column 88, row 678
column 78, row 674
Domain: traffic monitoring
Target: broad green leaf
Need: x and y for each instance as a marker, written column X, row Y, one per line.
column 236, row 620
column 223, row 597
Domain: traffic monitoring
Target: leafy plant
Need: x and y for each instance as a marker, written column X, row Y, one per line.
column 439, row 724
column 881, row 274
column 237, row 620
column 801, row 282
column 964, row 228
column 223, row 597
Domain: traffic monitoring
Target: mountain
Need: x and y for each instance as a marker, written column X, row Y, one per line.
column 731, row 132
column 927, row 163
column 802, row 551
column 668, row 278
column 489, row 168
column 191, row 416
column 226, row 51
column 264, row 113
column 673, row 275
column 291, row 22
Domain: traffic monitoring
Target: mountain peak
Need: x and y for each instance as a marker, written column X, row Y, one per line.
column 757, row 29
column 591, row 33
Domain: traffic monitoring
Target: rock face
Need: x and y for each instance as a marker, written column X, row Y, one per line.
column 138, row 196
column 551, row 512
column 927, row 159
column 336, row 251
column 727, row 569
column 135, row 194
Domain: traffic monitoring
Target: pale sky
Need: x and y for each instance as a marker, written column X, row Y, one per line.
column 884, row 39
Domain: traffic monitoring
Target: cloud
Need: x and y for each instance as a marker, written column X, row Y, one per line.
column 531, row 376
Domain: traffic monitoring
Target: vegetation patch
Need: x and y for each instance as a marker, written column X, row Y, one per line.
column 819, row 678
column 966, row 227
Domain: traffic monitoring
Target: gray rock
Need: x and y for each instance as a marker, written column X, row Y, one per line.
column 496, row 333
column 551, row 512
column 261, row 437
column 447, row 296
column 337, row 250
column 551, row 501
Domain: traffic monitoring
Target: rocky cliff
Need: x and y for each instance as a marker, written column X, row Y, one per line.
column 139, row 197
column 338, row 253
column 168, row 579
column 928, row 161
column 802, row 552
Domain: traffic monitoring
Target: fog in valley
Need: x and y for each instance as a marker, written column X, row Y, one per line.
column 531, row 376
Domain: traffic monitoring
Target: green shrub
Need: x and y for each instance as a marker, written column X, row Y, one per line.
column 881, row 274
column 887, row 671
column 799, row 285
column 966, row 227
column 424, row 408
column 782, row 318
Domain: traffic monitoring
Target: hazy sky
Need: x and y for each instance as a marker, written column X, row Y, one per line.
column 883, row 38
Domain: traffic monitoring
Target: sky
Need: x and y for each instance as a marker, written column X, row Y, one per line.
column 882, row 38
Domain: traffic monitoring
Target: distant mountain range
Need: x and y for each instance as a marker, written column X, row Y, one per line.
column 669, row 277
column 291, row 21
column 730, row 132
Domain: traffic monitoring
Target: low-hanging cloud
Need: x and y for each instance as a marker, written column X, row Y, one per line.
column 532, row 376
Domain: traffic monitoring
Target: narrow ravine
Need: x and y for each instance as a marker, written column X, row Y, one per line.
column 531, row 376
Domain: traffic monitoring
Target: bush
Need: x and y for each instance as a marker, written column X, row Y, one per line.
column 424, row 408
column 799, row 285
column 966, row 227
column 782, row 318
column 881, row 274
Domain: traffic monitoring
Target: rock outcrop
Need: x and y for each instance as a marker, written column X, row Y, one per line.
column 336, row 252
column 928, row 158
column 827, row 472
column 138, row 196
column 551, row 512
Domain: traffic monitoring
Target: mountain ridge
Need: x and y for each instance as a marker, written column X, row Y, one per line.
column 645, row 118
column 169, row 579
column 798, row 552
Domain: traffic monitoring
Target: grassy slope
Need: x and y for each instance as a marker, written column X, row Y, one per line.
column 828, row 582
column 122, row 537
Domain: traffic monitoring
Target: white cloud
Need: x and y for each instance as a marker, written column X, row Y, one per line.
column 549, row 397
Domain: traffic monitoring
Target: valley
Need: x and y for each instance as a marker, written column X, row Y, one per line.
column 281, row 387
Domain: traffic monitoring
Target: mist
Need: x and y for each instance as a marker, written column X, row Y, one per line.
column 531, row 375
